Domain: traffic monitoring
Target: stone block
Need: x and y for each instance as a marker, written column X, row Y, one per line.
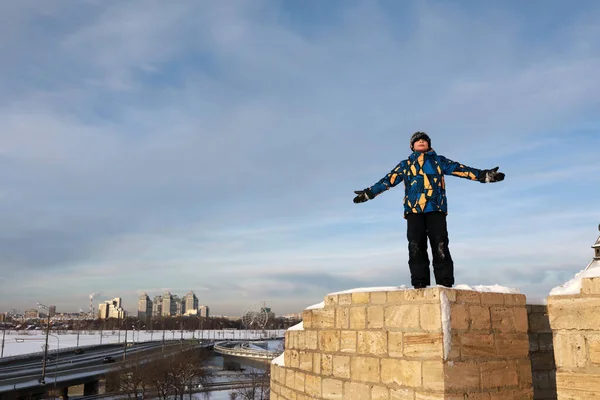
column 479, row 318
column 593, row 341
column 396, row 296
column 428, row 295
column 329, row 341
column 378, row 297
column 463, row 376
column 326, row 364
column 372, row 342
column 375, row 316
column 524, row 373
column 402, row 394
column 317, row 363
column 331, row 300
column 356, row 391
column 342, row 318
column 568, row 312
column 578, row 386
column 539, row 323
column 290, row 379
column 423, row 345
column 291, row 358
column 401, row 372
column 431, row 317
column 345, row 299
column 477, row 345
column 459, row 317
column 405, row 317
column 395, row 344
column 312, row 386
column 509, row 319
column 358, row 317
column 433, row 375
column 361, row 297
column 570, row 350
column 341, row 367
column 468, row 297
column 379, row 393
column 590, row 286
column 492, row 299
column 332, row 389
column 497, row 374
column 323, row 318
column 300, row 378
column 512, row 345
column 514, row 299
column 306, row 361
column 301, row 339
column 364, row 369
column 307, row 319
column 348, row 341
column 310, row 340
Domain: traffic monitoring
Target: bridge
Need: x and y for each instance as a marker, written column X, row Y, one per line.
column 20, row 375
column 244, row 349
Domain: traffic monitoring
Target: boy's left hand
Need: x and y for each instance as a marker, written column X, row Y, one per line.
column 492, row 175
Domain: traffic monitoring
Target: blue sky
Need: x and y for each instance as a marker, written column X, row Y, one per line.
column 215, row 146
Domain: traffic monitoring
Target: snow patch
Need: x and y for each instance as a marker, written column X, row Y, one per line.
column 279, row 360
column 447, row 336
column 316, row 306
column 372, row 289
column 493, row 288
column 573, row 286
column 297, row 327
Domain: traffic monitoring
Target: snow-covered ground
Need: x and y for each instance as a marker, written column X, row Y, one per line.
column 17, row 343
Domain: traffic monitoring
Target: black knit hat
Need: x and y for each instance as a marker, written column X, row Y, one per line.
column 419, row 135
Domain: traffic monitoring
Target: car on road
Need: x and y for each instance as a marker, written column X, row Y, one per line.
column 108, row 359
column 79, row 351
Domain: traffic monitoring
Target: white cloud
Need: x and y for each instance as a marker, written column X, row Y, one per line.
column 164, row 140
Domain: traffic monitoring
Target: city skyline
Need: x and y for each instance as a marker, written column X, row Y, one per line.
column 150, row 145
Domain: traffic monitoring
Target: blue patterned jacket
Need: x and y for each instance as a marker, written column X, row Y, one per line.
column 423, row 177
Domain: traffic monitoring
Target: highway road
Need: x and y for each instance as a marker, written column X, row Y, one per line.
column 26, row 371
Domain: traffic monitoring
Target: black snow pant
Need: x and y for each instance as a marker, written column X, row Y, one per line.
column 430, row 225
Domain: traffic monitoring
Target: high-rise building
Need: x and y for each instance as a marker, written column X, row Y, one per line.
column 144, row 307
column 32, row 313
column 203, row 311
column 52, row 310
column 111, row 309
column 191, row 302
column 168, row 308
column 157, row 306
column 177, row 306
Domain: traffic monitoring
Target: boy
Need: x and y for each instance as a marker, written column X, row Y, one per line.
column 425, row 207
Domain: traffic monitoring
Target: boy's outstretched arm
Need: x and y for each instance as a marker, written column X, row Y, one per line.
column 393, row 178
column 450, row 167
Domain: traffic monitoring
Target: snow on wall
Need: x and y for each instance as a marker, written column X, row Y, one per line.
column 573, row 286
column 447, row 336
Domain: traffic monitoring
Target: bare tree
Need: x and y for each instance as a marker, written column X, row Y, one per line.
column 163, row 375
column 258, row 387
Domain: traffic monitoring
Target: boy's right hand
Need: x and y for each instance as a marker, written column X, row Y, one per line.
column 363, row 195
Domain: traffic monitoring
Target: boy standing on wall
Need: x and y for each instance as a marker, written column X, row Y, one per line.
column 425, row 207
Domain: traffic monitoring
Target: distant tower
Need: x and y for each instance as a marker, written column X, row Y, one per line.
column 596, row 247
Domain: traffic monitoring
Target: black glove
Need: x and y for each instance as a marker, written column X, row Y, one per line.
column 363, row 195
column 492, row 175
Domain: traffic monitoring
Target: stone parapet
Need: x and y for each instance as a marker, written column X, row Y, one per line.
column 575, row 322
column 424, row 344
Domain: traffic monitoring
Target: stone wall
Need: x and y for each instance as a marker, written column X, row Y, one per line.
column 575, row 322
column 424, row 344
column 541, row 353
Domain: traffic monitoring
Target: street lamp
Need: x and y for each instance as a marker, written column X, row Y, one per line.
column 43, row 379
